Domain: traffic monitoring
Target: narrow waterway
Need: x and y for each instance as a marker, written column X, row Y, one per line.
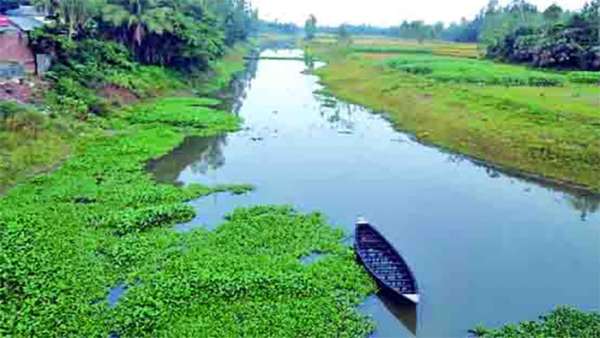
column 486, row 247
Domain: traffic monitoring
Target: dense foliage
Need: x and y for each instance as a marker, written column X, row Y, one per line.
column 6, row 5
column 185, row 34
column 550, row 39
column 562, row 322
column 109, row 51
column 518, row 33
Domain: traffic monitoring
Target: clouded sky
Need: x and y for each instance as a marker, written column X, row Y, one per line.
column 383, row 12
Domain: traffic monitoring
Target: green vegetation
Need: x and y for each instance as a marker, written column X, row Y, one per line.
column 186, row 35
column 244, row 278
column 447, row 69
column 28, row 141
column 550, row 39
column 562, row 322
column 380, row 46
column 182, row 112
column 549, row 130
column 111, row 53
column 517, row 32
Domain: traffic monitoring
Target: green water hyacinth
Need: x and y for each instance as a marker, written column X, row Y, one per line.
column 68, row 237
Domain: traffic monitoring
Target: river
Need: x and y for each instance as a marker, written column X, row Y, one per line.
column 486, row 247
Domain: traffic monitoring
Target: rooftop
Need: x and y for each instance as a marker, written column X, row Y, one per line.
column 25, row 11
column 25, row 23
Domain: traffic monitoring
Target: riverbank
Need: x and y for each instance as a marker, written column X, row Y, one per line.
column 36, row 138
column 548, row 130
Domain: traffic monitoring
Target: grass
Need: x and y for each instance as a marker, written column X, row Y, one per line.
column 28, row 140
column 399, row 46
column 33, row 142
column 562, row 322
column 449, row 69
column 547, row 132
column 223, row 70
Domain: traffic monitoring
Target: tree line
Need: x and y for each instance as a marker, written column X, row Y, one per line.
column 184, row 34
column 518, row 32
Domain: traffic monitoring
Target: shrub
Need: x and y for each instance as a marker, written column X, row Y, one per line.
column 562, row 322
column 14, row 117
column 584, row 77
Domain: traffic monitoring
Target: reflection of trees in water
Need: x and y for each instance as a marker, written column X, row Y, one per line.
column 586, row 204
column 338, row 114
column 236, row 92
column 211, row 157
column 201, row 154
column 309, row 62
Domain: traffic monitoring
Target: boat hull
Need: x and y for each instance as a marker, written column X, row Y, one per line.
column 385, row 264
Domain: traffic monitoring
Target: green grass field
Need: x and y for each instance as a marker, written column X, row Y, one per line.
column 539, row 122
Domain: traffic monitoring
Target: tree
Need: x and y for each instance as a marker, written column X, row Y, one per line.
column 138, row 18
column 311, row 27
column 6, row 5
column 343, row 34
column 553, row 13
column 420, row 30
column 438, row 29
column 77, row 14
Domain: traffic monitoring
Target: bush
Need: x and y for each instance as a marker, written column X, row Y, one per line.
column 14, row 117
column 562, row 322
column 9, row 110
column 584, row 77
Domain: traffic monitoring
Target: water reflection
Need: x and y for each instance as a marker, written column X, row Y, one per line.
column 587, row 204
column 405, row 312
column 200, row 154
column 395, row 318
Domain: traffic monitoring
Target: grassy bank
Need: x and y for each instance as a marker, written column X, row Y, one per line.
column 28, row 143
column 100, row 220
column 78, row 98
column 535, row 122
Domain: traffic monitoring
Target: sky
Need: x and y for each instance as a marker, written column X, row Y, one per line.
column 383, row 12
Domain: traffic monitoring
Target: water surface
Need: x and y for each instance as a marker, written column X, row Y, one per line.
column 486, row 247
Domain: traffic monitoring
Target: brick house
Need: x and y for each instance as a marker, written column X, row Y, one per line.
column 14, row 39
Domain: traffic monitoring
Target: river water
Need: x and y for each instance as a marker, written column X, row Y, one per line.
column 485, row 247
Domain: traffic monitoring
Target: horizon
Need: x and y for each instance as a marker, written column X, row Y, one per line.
column 384, row 13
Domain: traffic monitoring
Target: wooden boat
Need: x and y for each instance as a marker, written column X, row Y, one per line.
column 384, row 263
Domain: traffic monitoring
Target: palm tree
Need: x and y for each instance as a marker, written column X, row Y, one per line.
column 75, row 14
column 139, row 18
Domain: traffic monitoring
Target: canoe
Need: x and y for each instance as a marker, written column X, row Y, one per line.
column 384, row 263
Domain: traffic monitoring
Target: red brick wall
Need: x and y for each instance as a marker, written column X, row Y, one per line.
column 13, row 47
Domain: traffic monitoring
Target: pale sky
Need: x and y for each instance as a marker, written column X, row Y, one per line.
column 383, row 12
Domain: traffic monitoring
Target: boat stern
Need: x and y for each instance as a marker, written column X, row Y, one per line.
column 415, row 298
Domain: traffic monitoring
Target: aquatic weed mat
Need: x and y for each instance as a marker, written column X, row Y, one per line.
column 68, row 237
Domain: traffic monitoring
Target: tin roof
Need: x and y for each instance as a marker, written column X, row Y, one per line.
column 25, row 11
column 25, row 23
